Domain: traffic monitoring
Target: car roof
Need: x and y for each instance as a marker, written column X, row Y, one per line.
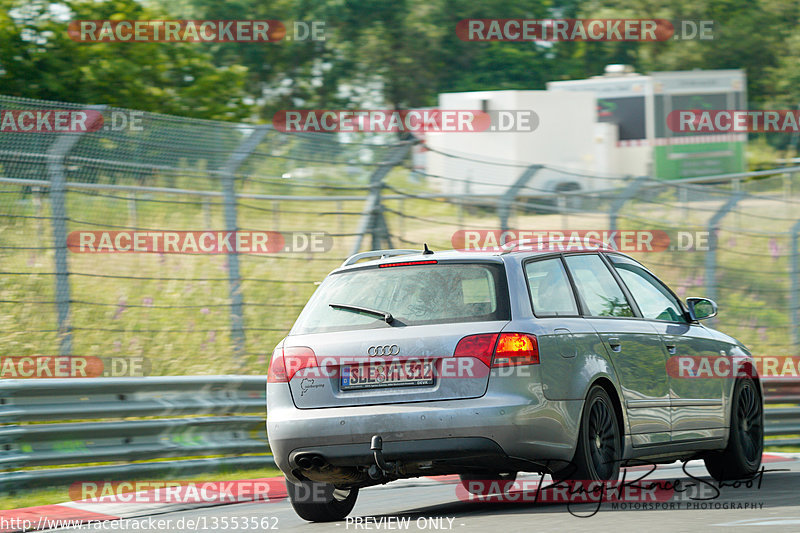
column 407, row 256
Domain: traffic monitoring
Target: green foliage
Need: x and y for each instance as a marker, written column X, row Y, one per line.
column 40, row 60
column 758, row 36
column 760, row 154
column 375, row 53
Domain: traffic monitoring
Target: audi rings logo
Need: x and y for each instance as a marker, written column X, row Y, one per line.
column 383, row 351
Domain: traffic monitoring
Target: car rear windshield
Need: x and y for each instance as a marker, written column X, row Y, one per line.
column 413, row 295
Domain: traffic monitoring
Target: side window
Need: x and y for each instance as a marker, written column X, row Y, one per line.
column 551, row 293
column 652, row 297
column 596, row 286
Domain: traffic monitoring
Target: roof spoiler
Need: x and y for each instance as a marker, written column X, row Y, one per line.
column 380, row 254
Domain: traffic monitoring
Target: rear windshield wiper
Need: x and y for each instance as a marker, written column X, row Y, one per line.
column 386, row 317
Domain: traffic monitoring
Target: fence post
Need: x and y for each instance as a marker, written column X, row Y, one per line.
column 132, row 215
column 622, row 199
column 562, row 209
column 37, row 205
column 233, row 163
column 339, row 218
column 683, row 198
column 206, row 213
column 276, row 216
column 795, row 279
column 711, row 255
column 372, row 219
column 461, row 202
column 508, row 197
column 56, row 155
column 402, row 222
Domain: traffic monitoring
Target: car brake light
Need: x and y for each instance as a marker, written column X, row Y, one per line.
column 408, row 263
column 516, row 349
column 478, row 346
column 287, row 362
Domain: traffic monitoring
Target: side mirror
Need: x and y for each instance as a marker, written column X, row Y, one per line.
column 701, row 308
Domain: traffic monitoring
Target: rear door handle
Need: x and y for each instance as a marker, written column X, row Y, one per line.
column 614, row 343
column 671, row 349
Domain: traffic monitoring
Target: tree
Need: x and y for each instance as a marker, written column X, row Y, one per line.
column 40, row 60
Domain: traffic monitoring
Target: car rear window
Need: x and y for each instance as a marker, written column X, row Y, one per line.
column 414, row 295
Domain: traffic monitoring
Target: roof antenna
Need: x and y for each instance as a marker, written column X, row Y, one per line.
column 426, row 251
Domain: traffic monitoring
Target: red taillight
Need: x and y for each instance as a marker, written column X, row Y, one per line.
column 478, row 346
column 408, row 263
column 287, row 362
column 511, row 349
column 516, row 349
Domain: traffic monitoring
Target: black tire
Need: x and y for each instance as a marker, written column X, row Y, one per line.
column 597, row 456
column 320, row 502
column 742, row 457
column 505, row 481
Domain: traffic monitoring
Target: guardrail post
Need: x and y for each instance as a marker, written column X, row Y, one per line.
column 622, row 199
column 56, row 155
column 795, row 280
column 711, row 255
column 508, row 197
column 372, row 219
column 235, row 160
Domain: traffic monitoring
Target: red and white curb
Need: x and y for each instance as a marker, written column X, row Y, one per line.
column 73, row 514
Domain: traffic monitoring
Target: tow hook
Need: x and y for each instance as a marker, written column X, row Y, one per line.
column 381, row 468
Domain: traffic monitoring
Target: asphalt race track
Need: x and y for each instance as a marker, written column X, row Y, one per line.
column 435, row 504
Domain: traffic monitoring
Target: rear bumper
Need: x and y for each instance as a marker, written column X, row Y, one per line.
column 459, row 452
column 454, row 434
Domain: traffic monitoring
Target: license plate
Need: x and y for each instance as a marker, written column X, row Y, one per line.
column 392, row 374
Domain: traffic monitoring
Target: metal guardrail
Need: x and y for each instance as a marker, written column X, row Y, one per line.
column 782, row 421
column 94, row 398
column 92, row 427
column 96, row 431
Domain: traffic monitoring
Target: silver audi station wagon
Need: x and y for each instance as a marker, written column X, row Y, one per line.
column 487, row 364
